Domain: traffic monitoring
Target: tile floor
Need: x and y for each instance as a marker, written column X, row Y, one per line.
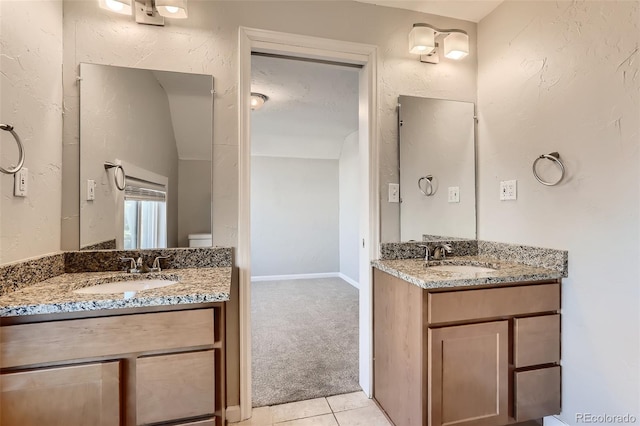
column 351, row 409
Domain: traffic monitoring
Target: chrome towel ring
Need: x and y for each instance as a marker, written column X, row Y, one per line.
column 16, row 169
column 109, row 165
column 428, row 191
column 555, row 157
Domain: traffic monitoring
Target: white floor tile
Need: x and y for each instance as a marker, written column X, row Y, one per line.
column 259, row 417
column 324, row 420
column 349, row 401
column 299, row 410
column 367, row 416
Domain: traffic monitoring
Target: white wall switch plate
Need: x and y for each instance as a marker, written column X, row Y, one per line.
column 454, row 194
column 508, row 190
column 394, row 192
column 91, row 189
column 21, row 182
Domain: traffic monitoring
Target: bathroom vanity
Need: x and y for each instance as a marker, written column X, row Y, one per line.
column 466, row 348
column 158, row 356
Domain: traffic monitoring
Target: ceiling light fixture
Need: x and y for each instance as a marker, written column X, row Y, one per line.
column 257, row 100
column 150, row 12
column 423, row 41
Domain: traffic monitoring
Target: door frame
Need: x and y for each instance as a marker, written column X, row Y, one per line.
column 250, row 39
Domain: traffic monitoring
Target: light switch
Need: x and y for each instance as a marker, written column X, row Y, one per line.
column 394, row 193
column 21, row 182
column 454, row 194
column 508, row 190
column 91, row 189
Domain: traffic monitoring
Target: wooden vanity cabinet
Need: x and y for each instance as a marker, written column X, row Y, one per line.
column 470, row 357
column 128, row 369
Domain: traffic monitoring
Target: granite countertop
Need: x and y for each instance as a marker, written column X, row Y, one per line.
column 55, row 295
column 414, row 272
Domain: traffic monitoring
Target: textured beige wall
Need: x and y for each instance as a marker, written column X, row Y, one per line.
column 31, row 100
column 194, row 199
column 563, row 76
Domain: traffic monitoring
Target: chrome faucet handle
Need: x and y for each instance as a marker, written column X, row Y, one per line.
column 132, row 263
column 156, row 263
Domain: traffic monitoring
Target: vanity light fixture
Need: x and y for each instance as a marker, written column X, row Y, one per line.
column 257, row 100
column 423, row 41
column 150, row 12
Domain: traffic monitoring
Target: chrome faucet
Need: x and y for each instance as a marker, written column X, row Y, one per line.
column 427, row 254
column 156, row 263
column 133, row 266
column 441, row 250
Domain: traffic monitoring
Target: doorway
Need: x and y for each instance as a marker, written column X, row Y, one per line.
column 304, row 229
column 251, row 40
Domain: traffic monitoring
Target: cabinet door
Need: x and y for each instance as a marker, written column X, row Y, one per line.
column 162, row 380
column 468, row 375
column 68, row 396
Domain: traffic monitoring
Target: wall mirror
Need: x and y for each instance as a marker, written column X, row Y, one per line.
column 153, row 131
column 437, row 168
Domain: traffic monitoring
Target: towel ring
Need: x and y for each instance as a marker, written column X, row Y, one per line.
column 429, row 190
column 16, row 169
column 555, row 157
column 108, row 165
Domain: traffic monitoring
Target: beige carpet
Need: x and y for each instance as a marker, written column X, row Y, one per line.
column 304, row 341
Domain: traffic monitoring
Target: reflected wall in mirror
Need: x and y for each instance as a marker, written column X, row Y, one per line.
column 437, row 157
column 158, row 126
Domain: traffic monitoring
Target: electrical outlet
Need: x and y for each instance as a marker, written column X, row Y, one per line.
column 454, row 194
column 394, row 193
column 21, row 182
column 91, row 189
column 508, row 190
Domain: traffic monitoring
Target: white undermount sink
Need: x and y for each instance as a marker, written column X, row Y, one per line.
column 461, row 268
column 128, row 288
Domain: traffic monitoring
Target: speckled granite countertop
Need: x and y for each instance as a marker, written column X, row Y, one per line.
column 55, row 295
column 414, row 272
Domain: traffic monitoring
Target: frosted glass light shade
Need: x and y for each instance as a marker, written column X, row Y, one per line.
column 257, row 100
column 421, row 40
column 456, row 45
column 172, row 8
column 118, row 6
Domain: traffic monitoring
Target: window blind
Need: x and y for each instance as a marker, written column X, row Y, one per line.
column 142, row 190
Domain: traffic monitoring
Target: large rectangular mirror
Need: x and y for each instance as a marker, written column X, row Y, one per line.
column 153, row 131
column 437, row 169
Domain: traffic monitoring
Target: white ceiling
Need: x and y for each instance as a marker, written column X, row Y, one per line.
column 312, row 107
column 469, row 10
column 191, row 105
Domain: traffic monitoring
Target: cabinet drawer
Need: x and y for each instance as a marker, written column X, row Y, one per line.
column 466, row 305
column 76, row 395
column 537, row 393
column 29, row 344
column 163, row 380
column 536, row 340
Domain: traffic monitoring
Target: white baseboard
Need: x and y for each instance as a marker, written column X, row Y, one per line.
column 553, row 421
column 295, row 276
column 349, row 280
column 306, row 277
column 233, row 414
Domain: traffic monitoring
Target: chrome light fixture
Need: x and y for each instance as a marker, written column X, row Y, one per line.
column 258, row 100
column 423, row 40
column 150, row 12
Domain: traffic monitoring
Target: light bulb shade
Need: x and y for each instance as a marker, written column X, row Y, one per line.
column 172, row 8
column 456, row 45
column 257, row 100
column 118, row 6
column 422, row 39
